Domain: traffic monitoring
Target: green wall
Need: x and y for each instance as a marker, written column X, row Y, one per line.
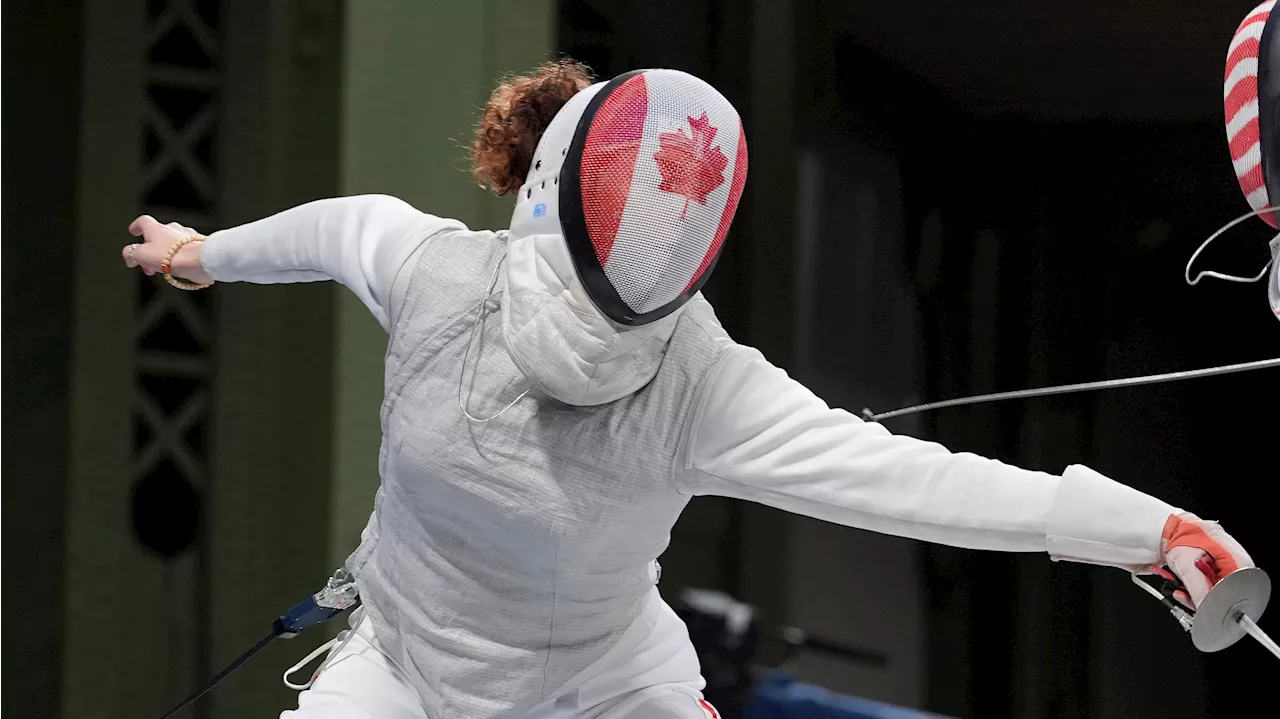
column 39, row 243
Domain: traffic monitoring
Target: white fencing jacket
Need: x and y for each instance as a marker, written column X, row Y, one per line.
column 502, row 559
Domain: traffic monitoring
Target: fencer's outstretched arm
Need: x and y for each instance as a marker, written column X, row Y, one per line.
column 361, row 241
column 759, row 435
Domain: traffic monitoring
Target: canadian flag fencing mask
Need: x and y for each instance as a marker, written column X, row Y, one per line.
column 643, row 174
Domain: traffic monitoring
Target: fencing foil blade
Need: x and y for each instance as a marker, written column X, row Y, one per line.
column 1256, row 632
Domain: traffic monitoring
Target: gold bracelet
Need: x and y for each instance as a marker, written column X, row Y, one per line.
column 168, row 261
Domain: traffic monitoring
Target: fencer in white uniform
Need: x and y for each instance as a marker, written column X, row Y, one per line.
column 555, row 395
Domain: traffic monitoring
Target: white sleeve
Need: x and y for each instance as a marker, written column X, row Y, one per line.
column 760, row 436
column 361, row 242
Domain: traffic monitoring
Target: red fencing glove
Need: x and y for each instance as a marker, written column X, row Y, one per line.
column 1200, row 554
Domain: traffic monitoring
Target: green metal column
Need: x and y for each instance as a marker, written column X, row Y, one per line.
column 118, row 659
column 415, row 75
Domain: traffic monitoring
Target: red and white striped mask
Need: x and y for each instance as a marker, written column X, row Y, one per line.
column 1249, row 98
column 643, row 174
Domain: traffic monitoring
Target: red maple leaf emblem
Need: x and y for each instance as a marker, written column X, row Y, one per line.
column 690, row 166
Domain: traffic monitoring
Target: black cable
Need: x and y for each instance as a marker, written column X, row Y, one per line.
column 275, row 633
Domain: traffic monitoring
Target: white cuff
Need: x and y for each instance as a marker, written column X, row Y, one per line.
column 1098, row 520
column 210, row 258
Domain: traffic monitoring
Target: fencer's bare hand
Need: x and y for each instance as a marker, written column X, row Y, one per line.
column 157, row 239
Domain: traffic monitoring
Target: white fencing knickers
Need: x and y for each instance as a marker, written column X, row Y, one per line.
column 652, row 673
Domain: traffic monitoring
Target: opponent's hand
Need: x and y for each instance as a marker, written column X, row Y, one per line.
column 157, row 239
column 1200, row 554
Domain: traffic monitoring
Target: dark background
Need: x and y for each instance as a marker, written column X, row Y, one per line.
column 1057, row 166
column 1040, row 174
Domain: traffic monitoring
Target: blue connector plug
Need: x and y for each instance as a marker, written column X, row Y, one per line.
column 339, row 594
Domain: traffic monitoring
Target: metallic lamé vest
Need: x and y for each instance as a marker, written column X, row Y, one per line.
column 504, row 557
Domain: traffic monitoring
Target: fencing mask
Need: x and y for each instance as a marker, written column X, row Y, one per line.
column 625, row 210
column 1251, row 96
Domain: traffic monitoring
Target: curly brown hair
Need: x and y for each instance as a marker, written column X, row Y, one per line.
column 514, row 119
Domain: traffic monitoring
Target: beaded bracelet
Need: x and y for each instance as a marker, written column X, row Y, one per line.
column 168, row 260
